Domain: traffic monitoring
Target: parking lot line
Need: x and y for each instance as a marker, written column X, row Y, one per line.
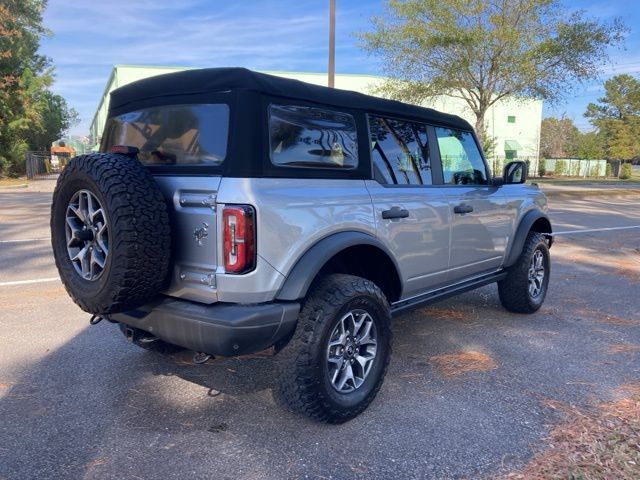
column 592, row 230
column 26, row 282
column 26, row 240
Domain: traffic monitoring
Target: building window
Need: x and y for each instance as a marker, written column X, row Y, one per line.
column 511, row 119
column 511, row 149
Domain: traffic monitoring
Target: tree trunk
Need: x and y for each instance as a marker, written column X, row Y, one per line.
column 480, row 126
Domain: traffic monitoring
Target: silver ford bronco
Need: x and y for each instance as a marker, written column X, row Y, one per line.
column 232, row 211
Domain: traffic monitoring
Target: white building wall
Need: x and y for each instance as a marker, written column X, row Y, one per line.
column 525, row 131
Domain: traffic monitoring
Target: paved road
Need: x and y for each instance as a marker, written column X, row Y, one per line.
column 79, row 402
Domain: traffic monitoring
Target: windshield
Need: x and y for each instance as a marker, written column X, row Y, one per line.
column 173, row 134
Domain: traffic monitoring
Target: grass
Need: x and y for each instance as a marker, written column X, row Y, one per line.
column 12, row 182
column 596, row 443
column 585, row 181
column 562, row 180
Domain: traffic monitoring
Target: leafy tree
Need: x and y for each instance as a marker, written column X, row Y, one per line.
column 489, row 143
column 482, row 51
column 55, row 120
column 558, row 137
column 589, row 146
column 30, row 115
column 22, row 74
column 617, row 117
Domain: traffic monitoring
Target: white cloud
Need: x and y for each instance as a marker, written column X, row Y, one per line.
column 91, row 36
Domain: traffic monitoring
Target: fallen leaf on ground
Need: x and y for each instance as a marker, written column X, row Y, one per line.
column 454, row 364
column 592, row 443
column 623, row 348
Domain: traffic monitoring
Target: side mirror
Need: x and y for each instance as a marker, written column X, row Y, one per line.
column 515, row 173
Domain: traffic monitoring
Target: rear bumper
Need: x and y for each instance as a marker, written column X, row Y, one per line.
column 218, row 329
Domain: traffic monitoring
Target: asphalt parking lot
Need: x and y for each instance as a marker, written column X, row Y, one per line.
column 80, row 402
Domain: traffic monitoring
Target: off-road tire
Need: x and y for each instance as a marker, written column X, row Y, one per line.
column 137, row 265
column 514, row 289
column 304, row 384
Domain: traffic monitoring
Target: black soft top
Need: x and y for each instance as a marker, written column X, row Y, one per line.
column 210, row 80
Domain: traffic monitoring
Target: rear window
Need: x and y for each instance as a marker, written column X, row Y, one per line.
column 173, row 134
column 312, row 137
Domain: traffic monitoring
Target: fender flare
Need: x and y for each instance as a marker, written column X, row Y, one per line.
column 517, row 243
column 311, row 262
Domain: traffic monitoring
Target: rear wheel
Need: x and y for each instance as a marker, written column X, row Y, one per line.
column 525, row 287
column 334, row 365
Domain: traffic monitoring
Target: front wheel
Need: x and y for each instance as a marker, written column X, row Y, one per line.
column 525, row 286
column 335, row 364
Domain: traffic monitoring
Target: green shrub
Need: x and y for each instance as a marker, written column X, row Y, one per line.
column 4, row 166
column 594, row 171
column 542, row 167
column 625, row 171
column 559, row 169
column 608, row 171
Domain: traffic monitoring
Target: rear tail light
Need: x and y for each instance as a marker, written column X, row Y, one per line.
column 239, row 238
column 124, row 150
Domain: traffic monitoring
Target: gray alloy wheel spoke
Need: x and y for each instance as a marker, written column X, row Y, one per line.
column 87, row 235
column 345, row 377
column 365, row 338
column 97, row 258
column 351, row 350
column 75, row 209
column 536, row 274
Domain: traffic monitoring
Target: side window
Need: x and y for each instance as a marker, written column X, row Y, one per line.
column 462, row 162
column 399, row 152
column 302, row 136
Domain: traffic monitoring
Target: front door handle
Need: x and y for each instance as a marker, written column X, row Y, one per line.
column 462, row 209
column 395, row 212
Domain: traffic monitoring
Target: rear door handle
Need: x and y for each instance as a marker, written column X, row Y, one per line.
column 462, row 209
column 395, row 212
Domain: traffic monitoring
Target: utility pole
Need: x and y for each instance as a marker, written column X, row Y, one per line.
column 332, row 43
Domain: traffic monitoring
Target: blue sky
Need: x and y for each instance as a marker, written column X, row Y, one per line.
column 90, row 36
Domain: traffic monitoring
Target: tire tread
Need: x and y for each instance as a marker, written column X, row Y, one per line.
column 513, row 290
column 299, row 387
column 139, row 232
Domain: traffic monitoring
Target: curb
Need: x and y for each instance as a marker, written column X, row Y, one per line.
column 9, row 187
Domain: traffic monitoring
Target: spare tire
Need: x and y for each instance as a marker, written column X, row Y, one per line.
column 110, row 233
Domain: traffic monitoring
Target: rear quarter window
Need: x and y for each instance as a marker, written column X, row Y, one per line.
column 173, row 134
column 301, row 136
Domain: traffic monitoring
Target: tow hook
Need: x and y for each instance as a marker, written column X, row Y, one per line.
column 95, row 319
column 137, row 336
column 130, row 334
column 199, row 358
